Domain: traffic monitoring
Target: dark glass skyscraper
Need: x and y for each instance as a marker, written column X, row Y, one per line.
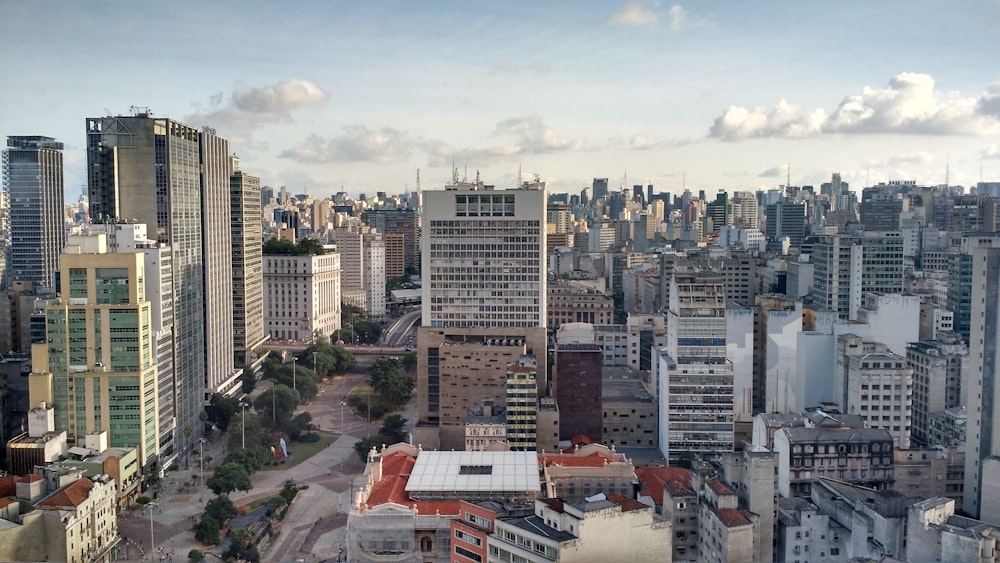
column 33, row 180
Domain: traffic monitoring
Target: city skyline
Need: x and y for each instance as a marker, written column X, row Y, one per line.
column 322, row 97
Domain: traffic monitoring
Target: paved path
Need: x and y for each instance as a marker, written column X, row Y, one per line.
column 315, row 527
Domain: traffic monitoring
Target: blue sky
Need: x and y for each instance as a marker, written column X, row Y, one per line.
column 321, row 96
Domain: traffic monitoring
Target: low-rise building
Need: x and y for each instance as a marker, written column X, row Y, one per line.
column 806, row 534
column 581, row 472
column 931, row 472
column 725, row 533
column 859, row 456
column 935, row 533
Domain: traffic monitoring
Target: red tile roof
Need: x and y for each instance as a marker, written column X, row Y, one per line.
column 6, row 502
column 720, row 488
column 626, row 503
column 397, row 464
column 8, row 485
column 447, row 507
column 577, row 440
column 554, row 504
column 71, row 495
column 732, row 517
column 654, row 478
column 390, row 489
column 31, row 478
column 679, row 488
column 596, row 459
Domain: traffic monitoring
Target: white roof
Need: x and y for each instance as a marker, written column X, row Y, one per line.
column 483, row 471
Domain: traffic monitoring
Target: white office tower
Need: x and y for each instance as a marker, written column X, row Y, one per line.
column 695, row 379
column 982, row 390
column 362, row 263
column 484, row 304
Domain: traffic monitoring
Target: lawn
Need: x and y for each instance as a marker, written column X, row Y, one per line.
column 302, row 451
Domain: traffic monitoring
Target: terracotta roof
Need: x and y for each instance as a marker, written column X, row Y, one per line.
column 8, row 485
column 389, row 489
column 447, row 507
column 679, row 488
column 6, row 502
column 71, row 495
column 654, row 478
column 626, row 503
column 595, row 459
column 31, row 478
column 397, row 464
column 577, row 440
column 732, row 517
column 720, row 488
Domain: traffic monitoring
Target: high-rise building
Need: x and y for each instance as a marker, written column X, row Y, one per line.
column 398, row 222
column 600, row 188
column 786, row 220
column 156, row 171
column 577, row 382
column 938, row 369
column 97, row 367
column 522, row 405
column 848, row 266
column 316, row 314
column 363, row 268
column 33, row 183
column 248, row 269
column 484, row 305
column 981, row 390
column 694, row 378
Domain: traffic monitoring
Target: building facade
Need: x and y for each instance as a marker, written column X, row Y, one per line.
column 248, row 270
column 301, row 296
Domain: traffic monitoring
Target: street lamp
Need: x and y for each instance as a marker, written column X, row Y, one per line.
column 152, row 544
column 293, row 372
column 201, row 457
column 244, row 430
column 315, row 369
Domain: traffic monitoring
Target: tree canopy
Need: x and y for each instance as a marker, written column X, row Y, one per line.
column 304, row 247
column 229, row 477
column 282, row 399
column 386, row 380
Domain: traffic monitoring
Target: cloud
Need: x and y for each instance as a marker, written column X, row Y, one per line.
column 637, row 13
column 678, row 17
column 248, row 108
column 357, row 144
column 774, row 172
column 909, row 104
column 528, row 135
column 990, row 152
column 506, row 67
column 903, row 159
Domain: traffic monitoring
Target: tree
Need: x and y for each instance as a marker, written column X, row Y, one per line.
column 196, row 555
column 304, row 382
column 248, row 380
column 253, row 435
column 393, row 428
column 277, row 404
column 410, row 361
column 229, row 477
column 343, row 359
column 221, row 410
column 242, row 539
column 368, row 332
column 385, row 379
column 252, row 459
column 298, row 424
column 345, row 335
column 207, row 530
column 363, row 446
column 221, row 508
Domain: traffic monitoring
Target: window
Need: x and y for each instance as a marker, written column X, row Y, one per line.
column 426, row 544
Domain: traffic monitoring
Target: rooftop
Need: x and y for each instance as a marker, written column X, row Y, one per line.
column 653, row 480
column 536, row 526
column 837, row 435
column 474, row 471
column 732, row 517
column 720, row 488
column 70, row 496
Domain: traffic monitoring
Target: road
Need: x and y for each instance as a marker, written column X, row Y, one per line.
column 399, row 333
column 314, row 528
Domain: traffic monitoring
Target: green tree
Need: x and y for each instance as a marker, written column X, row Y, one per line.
column 253, row 435
column 276, row 405
column 363, row 446
column 242, row 539
column 248, row 380
column 252, row 459
column 298, row 424
column 279, row 247
column 304, row 382
column 410, row 362
column 386, row 380
column 368, row 332
column 196, row 555
column 221, row 410
column 229, row 477
column 207, row 530
column 343, row 359
column 393, row 428
column 310, row 246
column 345, row 335
column 221, row 508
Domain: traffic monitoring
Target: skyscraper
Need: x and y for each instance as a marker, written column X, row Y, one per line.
column 484, row 280
column 33, row 180
column 248, row 269
column 165, row 174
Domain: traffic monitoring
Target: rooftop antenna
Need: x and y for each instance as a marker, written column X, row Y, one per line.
column 519, row 173
column 625, row 180
column 788, row 177
column 418, row 183
column 947, row 171
column 454, row 171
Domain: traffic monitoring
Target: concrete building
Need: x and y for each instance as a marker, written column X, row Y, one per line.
column 362, row 262
column 484, row 305
column 41, row 445
column 248, row 268
column 98, row 365
column 778, row 384
column 878, row 385
column 939, row 366
column 875, row 520
column 646, row 333
column 935, row 533
column 629, row 415
column 171, row 177
column 522, row 405
column 486, row 428
column 848, row 266
column 806, row 534
column 786, row 219
column 725, row 532
column 568, row 302
column 583, row 471
column 740, row 349
column 981, row 390
column 694, row 379
column 76, row 522
column 120, row 464
column 302, row 296
column 577, row 377
column 948, row 427
column 931, row 472
column 33, row 183
column 401, row 229
column 863, row 457
column 600, row 528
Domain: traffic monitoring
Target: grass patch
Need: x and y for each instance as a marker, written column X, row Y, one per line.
column 259, row 503
column 302, row 451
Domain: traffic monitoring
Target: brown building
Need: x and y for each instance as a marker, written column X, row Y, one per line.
column 395, row 255
column 397, row 222
column 577, row 388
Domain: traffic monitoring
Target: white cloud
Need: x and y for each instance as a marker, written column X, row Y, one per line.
column 990, row 152
column 357, row 144
column 504, row 66
column 903, row 159
column 533, row 136
column 909, row 104
column 249, row 107
column 678, row 17
column 637, row 13
column 774, row 172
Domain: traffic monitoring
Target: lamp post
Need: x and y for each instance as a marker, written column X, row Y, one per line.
column 315, row 369
column 201, row 458
column 152, row 543
column 293, row 372
column 243, row 433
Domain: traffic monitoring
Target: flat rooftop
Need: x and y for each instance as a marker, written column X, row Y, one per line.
column 474, row 471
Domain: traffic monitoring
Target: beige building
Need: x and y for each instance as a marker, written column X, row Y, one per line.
column 75, row 523
column 935, row 533
column 931, row 472
column 587, row 470
column 302, row 296
column 573, row 303
column 725, row 533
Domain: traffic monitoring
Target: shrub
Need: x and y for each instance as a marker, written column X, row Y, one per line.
column 309, row 437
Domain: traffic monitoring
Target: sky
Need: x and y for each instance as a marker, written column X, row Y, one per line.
column 355, row 96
